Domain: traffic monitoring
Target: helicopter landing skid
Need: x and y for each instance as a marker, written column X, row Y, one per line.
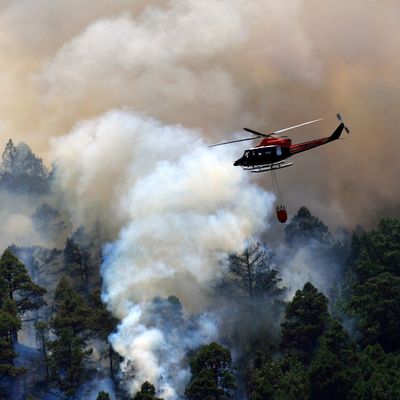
column 270, row 167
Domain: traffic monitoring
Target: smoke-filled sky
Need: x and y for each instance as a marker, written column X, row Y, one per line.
column 125, row 96
column 219, row 65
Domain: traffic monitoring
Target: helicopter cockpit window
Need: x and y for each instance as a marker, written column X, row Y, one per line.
column 246, row 154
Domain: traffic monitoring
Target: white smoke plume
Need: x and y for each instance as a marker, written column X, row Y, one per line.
column 180, row 208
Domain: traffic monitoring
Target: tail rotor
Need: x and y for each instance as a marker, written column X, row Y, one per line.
column 339, row 117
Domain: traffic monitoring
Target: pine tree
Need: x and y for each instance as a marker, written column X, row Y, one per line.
column 78, row 256
column 304, row 228
column 333, row 370
column 284, row 378
column 19, row 286
column 22, row 170
column 380, row 375
column 102, row 323
column 377, row 303
column 146, row 392
column 375, row 294
column 9, row 323
column 212, row 374
column 70, row 325
column 42, row 338
column 103, row 396
column 251, row 275
column 8, row 158
column 305, row 320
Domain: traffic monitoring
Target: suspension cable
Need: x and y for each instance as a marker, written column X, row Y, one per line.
column 277, row 188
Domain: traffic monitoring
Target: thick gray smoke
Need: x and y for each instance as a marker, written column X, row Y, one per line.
column 218, row 66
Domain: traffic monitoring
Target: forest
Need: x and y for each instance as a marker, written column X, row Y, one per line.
column 337, row 340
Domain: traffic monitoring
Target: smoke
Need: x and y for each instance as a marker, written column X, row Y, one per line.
column 309, row 263
column 179, row 75
column 179, row 206
column 155, row 339
column 218, row 66
column 16, row 223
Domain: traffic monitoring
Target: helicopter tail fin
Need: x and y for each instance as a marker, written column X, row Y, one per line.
column 336, row 135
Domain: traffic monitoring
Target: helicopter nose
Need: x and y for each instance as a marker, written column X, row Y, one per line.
column 237, row 162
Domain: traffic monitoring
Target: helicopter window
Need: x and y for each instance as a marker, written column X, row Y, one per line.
column 278, row 151
column 246, row 154
column 260, row 153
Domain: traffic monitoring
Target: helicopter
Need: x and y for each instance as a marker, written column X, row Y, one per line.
column 274, row 150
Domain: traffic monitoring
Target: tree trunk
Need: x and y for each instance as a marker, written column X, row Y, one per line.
column 110, row 355
column 14, row 336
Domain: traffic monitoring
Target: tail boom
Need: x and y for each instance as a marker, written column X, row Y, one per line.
column 300, row 147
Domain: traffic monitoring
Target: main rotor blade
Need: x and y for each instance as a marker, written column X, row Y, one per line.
column 257, row 133
column 232, row 141
column 297, row 126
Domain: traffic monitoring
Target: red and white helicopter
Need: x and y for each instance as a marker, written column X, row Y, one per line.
column 274, row 150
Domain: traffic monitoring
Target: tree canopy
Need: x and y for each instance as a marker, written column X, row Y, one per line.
column 304, row 227
column 212, row 374
column 305, row 321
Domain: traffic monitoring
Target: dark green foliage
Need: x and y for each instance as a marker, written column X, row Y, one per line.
column 380, row 375
column 305, row 320
column 375, row 296
column 212, row 374
column 333, row 370
column 19, row 285
column 377, row 303
column 203, row 387
column 67, row 359
column 285, row 378
column 304, row 227
column 100, row 320
column 70, row 310
column 9, row 323
column 147, row 392
column 379, row 250
column 101, row 324
column 70, row 324
column 42, row 339
column 103, row 396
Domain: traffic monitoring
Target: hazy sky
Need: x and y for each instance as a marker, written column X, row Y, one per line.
column 216, row 66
